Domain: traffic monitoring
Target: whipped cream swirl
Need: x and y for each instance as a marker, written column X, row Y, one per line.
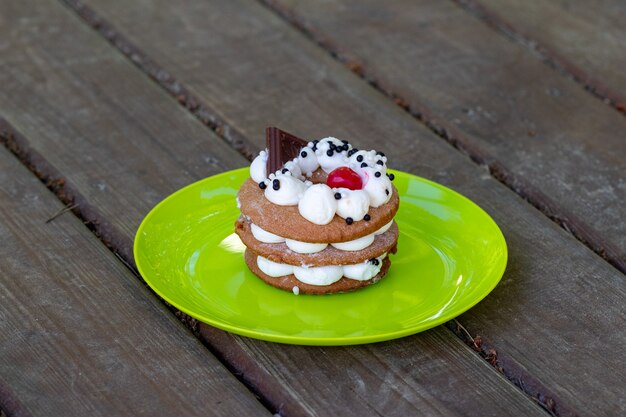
column 323, row 275
column 319, row 203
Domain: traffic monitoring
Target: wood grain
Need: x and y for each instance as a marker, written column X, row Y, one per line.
column 90, row 83
column 586, row 40
column 405, row 377
column 81, row 336
column 116, row 144
column 255, row 70
column 540, row 133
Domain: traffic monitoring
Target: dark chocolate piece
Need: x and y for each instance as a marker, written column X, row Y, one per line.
column 282, row 147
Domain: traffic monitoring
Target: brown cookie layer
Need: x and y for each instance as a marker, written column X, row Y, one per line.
column 279, row 252
column 286, row 221
column 289, row 281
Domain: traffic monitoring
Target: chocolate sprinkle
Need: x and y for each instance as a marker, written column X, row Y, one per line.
column 276, row 185
column 349, row 220
column 391, row 177
column 380, row 162
column 262, row 185
column 359, row 158
column 329, row 152
column 367, row 217
column 364, row 164
column 377, row 174
column 337, row 196
column 352, row 151
column 386, row 191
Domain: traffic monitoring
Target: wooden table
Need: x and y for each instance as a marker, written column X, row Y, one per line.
column 109, row 106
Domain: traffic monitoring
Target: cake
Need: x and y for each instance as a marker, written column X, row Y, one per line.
column 317, row 217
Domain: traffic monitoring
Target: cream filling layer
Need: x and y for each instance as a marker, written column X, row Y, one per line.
column 322, row 275
column 305, row 247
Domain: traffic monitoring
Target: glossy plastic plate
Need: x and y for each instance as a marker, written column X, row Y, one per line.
column 451, row 254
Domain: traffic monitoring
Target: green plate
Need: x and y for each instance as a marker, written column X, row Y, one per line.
column 451, row 254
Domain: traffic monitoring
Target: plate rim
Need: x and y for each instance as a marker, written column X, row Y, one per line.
column 314, row 340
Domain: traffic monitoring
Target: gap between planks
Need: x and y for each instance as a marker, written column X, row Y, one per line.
column 80, row 207
column 11, row 403
column 91, row 217
column 183, row 96
column 239, row 142
column 75, row 203
column 513, row 372
column 210, row 118
column 456, row 138
column 547, row 55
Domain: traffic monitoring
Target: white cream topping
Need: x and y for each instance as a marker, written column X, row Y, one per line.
column 331, row 158
column 265, row 236
column 258, row 167
column 335, row 159
column 328, row 140
column 294, row 168
column 383, row 229
column 356, row 244
column 323, row 275
column 365, row 270
column 371, row 158
column 304, row 247
column 378, row 188
column 284, row 189
column 319, row 275
column 296, row 246
column 318, row 204
column 353, row 203
column 273, row 269
column 308, row 160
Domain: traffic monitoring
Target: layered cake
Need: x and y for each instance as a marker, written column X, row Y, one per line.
column 317, row 217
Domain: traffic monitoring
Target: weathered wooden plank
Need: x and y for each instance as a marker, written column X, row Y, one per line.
column 256, row 70
column 539, row 132
column 81, row 336
column 409, row 376
column 588, row 40
column 121, row 145
column 90, row 83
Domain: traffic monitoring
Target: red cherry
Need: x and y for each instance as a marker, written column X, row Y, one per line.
column 344, row 177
